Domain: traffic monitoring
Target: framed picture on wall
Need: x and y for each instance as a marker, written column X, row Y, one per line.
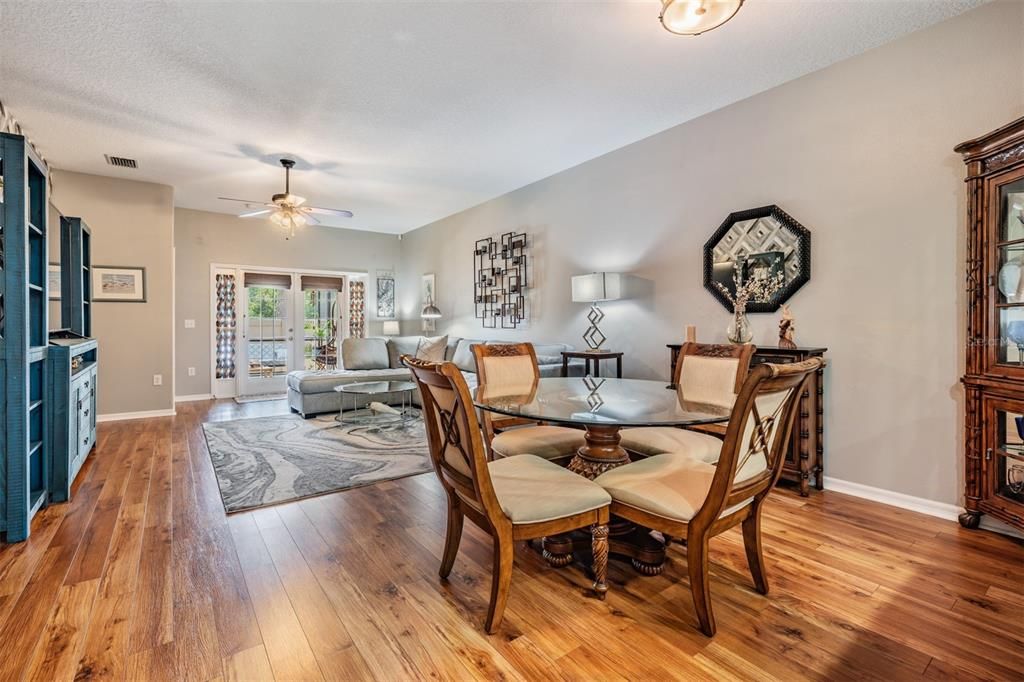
column 53, row 281
column 118, row 283
column 385, row 296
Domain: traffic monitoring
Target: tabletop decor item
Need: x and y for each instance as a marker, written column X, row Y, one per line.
column 1015, row 334
column 593, row 289
column 759, row 243
column 500, row 280
column 118, row 283
column 430, row 312
column 786, row 328
column 754, row 289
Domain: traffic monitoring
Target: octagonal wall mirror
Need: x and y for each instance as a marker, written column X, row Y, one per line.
column 759, row 242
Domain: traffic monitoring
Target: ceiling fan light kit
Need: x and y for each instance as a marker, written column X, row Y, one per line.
column 286, row 210
column 694, row 17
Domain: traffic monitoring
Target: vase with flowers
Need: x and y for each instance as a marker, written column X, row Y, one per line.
column 758, row 289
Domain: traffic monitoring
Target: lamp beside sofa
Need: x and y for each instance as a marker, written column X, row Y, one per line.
column 311, row 392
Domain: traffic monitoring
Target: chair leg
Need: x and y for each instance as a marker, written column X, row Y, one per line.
column 752, row 545
column 452, row 537
column 599, row 544
column 700, row 586
column 501, row 581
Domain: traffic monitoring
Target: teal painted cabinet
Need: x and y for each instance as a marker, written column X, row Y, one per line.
column 72, row 363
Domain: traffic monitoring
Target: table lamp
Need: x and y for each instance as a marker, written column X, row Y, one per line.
column 391, row 328
column 592, row 289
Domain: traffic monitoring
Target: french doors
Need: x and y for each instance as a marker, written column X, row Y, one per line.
column 282, row 321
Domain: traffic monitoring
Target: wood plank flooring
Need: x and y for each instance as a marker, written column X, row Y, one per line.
column 143, row 576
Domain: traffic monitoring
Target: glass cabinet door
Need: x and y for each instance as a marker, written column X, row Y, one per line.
column 1006, row 475
column 1009, row 273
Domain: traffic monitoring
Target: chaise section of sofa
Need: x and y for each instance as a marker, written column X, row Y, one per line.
column 379, row 359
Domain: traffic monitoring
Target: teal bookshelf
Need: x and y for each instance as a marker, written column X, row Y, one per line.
column 24, row 476
column 72, row 363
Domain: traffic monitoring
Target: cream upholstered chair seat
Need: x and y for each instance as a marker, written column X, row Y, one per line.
column 657, row 440
column 531, row 489
column 549, row 442
column 672, row 485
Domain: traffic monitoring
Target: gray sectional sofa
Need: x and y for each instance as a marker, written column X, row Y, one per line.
column 378, row 359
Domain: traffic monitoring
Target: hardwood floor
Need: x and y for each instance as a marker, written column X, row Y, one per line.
column 143, row 576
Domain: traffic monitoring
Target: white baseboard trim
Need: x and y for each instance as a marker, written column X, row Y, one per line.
column 121, row 416
column 191, row 398
column 942, row 510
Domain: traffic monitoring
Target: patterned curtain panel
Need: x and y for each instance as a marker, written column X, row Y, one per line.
column 227, row 322
column 357, row 310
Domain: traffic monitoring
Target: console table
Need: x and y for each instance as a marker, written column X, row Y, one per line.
column 592, row 356
column 805, row 457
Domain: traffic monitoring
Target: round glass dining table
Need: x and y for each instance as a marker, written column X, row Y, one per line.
column 602, row 407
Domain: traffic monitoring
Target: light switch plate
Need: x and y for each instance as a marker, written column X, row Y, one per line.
column 158, row 379
column 190, row 324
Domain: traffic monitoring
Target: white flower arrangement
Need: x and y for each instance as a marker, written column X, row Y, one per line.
column 756, row 289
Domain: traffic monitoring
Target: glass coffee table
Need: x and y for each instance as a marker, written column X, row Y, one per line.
column 376, row 388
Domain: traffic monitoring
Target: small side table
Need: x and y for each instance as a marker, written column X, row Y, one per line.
column 594, row 356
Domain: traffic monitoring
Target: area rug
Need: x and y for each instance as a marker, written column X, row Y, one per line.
column 270, row 460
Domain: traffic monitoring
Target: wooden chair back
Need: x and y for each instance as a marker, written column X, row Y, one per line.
column 505, row 369
column 453, row 433
column 712, row 373
column 757, row 436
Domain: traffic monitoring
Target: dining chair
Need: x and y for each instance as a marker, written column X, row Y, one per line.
column 704, row 373
column 522, row 497
column 508, row 367
column 685, row 497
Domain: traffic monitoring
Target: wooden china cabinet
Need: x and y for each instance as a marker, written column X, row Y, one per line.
column 994, row 382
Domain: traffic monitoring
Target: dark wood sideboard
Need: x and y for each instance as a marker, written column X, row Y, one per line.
column 805, row 458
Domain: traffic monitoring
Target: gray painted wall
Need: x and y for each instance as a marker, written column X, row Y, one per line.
column 861, row 154
column 202, row 238
column 132, row 224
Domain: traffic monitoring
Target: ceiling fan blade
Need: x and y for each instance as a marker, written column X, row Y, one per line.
column 253, row 214
column 310, row 218
column 329, row 211
column 254, row 202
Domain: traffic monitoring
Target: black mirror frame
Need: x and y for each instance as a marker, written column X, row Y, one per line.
column 803, row 242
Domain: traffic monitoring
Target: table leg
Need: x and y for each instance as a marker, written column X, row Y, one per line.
column 597, row 367
column 565, row 365
column 618, row 366
column 602, row 452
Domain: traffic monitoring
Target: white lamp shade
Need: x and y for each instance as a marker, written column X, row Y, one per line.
column 597, row 286
column 391, row 328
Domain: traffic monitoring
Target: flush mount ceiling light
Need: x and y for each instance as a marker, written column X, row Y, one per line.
column 693, row 17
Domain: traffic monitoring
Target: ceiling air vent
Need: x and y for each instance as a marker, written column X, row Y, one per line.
column 120, row 161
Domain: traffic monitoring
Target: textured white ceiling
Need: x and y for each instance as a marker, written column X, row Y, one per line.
column 402, row 112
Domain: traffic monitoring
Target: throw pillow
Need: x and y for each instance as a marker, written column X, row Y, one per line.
column 432, row 349
column 369, row 353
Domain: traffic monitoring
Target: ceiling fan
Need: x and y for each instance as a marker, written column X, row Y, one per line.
column 286, row 210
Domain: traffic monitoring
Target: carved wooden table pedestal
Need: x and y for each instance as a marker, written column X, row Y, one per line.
column 602, row 453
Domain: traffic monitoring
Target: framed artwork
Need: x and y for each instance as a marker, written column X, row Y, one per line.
column 385, row 296
column 53, row 281
column 118, row 283
column 427, row 284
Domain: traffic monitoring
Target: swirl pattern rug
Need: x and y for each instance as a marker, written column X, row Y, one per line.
column 270, row 460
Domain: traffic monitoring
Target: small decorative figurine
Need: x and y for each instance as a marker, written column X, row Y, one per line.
column 786, row 329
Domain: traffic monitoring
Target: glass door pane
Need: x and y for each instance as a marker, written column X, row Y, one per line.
column 1010, row 275
column 1009, row 456
column 321, row 322
column 267, row 331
